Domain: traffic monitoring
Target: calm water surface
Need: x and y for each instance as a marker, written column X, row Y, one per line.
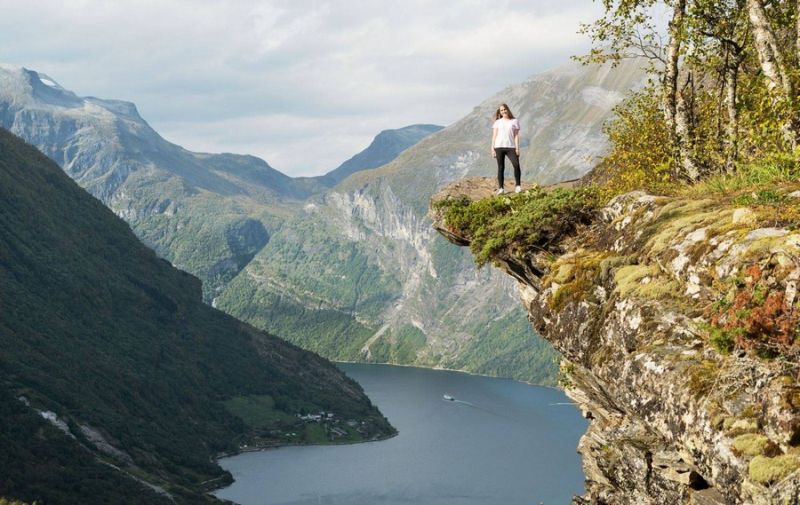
column 501, row 442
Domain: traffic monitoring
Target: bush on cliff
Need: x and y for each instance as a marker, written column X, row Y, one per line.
column 519, row 224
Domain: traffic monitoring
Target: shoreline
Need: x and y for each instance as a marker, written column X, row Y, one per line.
column 446, row 370
column 224, row 455
column 220, row 456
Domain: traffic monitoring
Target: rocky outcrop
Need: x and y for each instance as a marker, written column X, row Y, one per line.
column 677, row 320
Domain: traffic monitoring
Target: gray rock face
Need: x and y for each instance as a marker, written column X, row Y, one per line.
column 673, row 420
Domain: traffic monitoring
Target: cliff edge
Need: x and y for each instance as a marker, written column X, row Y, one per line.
column 677, row 319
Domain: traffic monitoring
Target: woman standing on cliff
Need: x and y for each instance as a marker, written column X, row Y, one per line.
column 505, row 142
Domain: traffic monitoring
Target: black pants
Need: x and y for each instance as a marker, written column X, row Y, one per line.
column 501, row 153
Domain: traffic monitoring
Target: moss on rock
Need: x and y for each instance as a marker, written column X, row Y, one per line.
column 644, row 281
column 741, row 426
column 702, row 377
column 575, row 276
column 751, row 444
column 767, row 471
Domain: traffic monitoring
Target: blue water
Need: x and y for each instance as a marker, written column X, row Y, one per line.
column 501, row 442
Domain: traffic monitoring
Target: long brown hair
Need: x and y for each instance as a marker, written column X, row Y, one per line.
column 497, row 114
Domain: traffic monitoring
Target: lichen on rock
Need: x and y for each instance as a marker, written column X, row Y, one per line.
column 677, row 321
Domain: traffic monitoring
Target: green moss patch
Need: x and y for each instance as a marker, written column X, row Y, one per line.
column 644, row 281
column 575, row 276
column 735, row 427
column 767, row 471
column 702, row 377
column 676, row 218
column 751, row 444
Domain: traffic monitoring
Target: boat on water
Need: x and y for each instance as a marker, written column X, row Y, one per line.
column 448, row 398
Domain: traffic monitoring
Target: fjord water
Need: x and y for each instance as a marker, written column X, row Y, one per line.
column 500, row 442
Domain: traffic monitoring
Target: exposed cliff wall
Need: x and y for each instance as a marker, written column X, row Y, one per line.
column 642, row 304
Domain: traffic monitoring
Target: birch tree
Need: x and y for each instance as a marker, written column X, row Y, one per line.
column 775, row 63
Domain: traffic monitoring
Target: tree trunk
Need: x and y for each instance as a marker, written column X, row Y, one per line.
column 769, row 54
column 797, row 32
column 671, row 71
column 683, row 128
column 675, row 108
column 773, row 64
column 732, row 125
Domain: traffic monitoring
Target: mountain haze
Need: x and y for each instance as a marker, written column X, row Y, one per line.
column 117, row 346
column 385, row 147
column 360, row 274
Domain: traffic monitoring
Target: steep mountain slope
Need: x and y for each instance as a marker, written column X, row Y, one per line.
column 118, row 347
column 228, row 203
column 386, row 146
column 208, row 214
column 64, row 471
column 364, row 256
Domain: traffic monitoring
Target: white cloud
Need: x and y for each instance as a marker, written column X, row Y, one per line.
column 273, row 77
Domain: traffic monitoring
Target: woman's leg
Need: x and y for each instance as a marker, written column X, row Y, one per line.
column 512, row 155
column 501, row 165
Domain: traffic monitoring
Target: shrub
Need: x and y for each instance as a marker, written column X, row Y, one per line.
column 639, row 157
column 752, row 315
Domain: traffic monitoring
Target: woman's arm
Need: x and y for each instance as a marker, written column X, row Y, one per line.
column 516, row 140
column 494, row 136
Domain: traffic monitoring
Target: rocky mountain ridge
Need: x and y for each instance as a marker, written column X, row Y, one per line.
column 206, row 213
column 631, row 302
column 384, row 148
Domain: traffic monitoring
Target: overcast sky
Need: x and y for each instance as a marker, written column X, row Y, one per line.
column 302, row 84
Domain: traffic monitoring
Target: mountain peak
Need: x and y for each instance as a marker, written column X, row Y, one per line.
column 29, row 87
column 384, row 148
column 34, row 89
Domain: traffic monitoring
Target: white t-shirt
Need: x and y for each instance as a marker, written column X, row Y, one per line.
column 505, row 132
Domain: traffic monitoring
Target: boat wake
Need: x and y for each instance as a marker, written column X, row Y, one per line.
column 452, row 399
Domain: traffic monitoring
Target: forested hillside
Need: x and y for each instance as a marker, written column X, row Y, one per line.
column 118, row 347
